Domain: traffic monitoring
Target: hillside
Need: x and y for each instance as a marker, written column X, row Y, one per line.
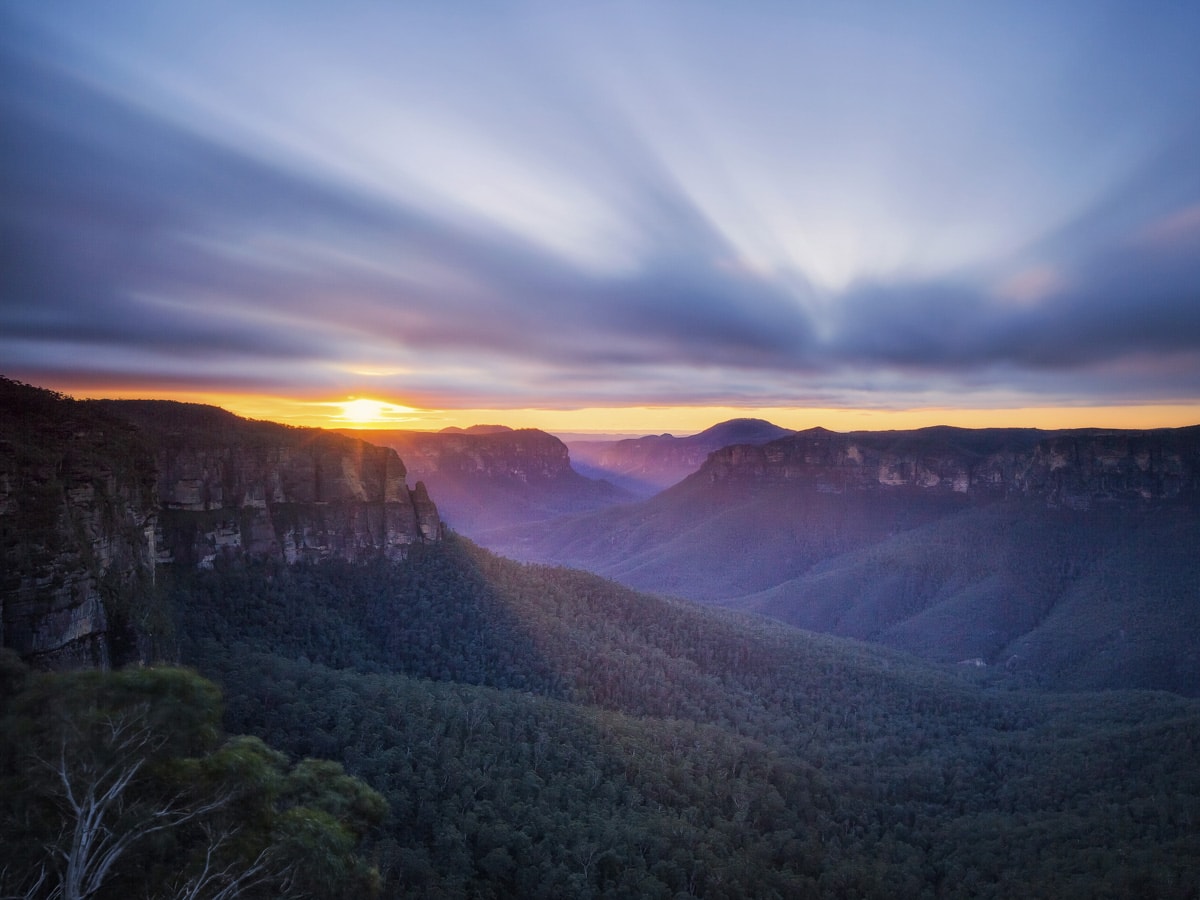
column 78, row 523
column 488, row 477
column 542, row 732
column 1066, row 556
column 646, row 465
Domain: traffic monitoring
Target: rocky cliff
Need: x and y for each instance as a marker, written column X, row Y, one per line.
column 78, row 527
column 1074, row 468
column 229, row 486
column 489, row 477
column 524, row 456
column 1065, row 557
column 95, row 494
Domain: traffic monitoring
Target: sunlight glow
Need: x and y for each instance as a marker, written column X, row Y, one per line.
column 365, row 411
column 632, row 420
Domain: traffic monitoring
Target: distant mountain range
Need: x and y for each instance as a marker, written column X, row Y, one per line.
column 1069, row 555
column 646, row 465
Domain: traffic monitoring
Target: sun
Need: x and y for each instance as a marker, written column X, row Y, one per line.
column 364, row 411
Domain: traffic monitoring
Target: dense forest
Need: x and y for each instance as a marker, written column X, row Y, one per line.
column 541, row 732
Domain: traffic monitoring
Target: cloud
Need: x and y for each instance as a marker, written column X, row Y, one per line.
column 1113, row 288
column 125, row 230
column 140, row 244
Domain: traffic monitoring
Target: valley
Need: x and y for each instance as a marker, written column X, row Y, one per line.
column 1065, row 556
column 646, row 465
column 486, row 727
column 599, row 451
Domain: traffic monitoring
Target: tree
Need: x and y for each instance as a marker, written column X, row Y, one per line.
column 104, row 813
column 123, row 786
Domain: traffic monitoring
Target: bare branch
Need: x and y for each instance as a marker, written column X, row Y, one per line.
column 228, row 881
column 94, row 788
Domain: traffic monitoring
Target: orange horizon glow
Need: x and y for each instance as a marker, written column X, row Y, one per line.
column 370, row 413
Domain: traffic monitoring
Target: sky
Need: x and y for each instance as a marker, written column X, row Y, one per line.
column 607, row 216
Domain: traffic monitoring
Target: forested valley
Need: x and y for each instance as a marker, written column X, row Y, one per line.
column 541, row 732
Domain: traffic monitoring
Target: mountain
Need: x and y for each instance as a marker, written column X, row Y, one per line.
column 489, row 476
column 1063, row 556
column 95, row 495
column 647, row 465
column 476, row 429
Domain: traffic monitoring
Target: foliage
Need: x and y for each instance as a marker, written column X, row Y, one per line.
column 123, row 784
column 540, row 732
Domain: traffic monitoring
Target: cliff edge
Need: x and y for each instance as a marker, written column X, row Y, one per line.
column 95, row 494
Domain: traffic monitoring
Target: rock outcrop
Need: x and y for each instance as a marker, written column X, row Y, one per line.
column 1067, row 558
column 79, row 527
column 229, row 486
column 524, row 456
column 489, row 477
column 1070, row 468
column 95, row 494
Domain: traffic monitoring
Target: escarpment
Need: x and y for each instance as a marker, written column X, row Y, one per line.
column 95, row 494
column 649, row 464
column 491, row 478
column 228, row 486
column 78, row 530
column 1076, row 468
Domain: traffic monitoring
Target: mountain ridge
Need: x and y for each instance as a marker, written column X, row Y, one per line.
column 651, row 463
column 950, row 543
column 543, row 732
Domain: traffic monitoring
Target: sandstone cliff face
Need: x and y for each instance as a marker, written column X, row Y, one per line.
column 1072, row 468
column 525, row 456
column 94, row 495
column 231, row 487
column 1079, row 469
column 78, row 520
column 491, row 478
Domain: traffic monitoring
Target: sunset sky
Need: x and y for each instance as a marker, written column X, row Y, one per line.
column 611, row 216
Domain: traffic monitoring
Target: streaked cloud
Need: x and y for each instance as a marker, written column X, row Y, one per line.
column 639, row 204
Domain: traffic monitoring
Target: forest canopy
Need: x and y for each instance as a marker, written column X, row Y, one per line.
column 541, row 732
